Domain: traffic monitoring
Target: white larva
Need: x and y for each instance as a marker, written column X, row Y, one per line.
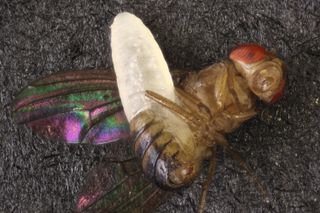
column 139, row 65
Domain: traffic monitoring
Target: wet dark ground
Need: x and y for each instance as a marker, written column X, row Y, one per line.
column 281, row 144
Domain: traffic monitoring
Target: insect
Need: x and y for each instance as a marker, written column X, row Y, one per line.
column 172, row 128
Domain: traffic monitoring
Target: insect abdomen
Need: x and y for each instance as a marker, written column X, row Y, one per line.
column 163, row 161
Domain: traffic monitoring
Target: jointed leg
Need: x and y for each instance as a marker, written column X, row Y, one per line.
column 259, row 184
column 185, row 115
column 205, row 185
column 194, row 104
column 236, row 156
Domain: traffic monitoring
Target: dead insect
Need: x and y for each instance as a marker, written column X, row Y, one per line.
column 174, row 128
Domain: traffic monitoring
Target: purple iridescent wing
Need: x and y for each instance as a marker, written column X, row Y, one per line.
column 74, row 107
column 119, row 186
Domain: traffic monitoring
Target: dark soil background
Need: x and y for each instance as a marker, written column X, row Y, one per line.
column 281, row 144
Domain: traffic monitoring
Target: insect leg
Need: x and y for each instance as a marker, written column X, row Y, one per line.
column 194, row 104
column 205, row 185
column 188, row 117
column 237, row 157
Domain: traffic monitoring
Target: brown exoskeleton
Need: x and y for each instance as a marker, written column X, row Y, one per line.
column 214, row 101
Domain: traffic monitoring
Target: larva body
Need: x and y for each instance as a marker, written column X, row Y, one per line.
column 163, row 141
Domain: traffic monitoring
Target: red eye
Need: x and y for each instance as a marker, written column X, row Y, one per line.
column 248, row 53
column 279, row 93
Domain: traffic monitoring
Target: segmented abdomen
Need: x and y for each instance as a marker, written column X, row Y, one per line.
column 163, row 161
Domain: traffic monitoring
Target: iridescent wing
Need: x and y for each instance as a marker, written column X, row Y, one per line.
column 74, row 107
column 84, row 106
column 119, row 186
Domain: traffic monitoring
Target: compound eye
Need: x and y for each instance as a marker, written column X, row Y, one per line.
column 248, row 53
